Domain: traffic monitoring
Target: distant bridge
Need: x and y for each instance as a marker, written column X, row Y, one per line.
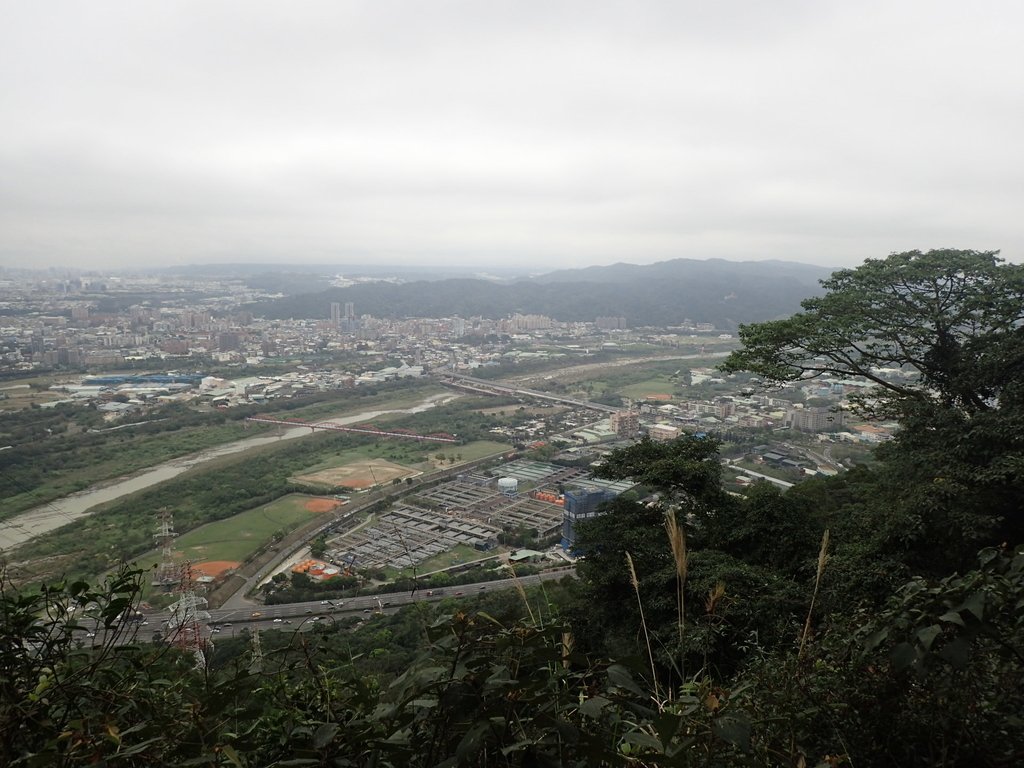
column 366, row 430
column 490, row 387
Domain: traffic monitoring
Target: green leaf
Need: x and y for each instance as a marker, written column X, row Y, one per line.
column 593, row 706
column 324, row 735
column 875, row 639
column 927, row 635
column 953, row 617
column 667, row 725
column 975, row 604
column 472, row 742
column 231, row 754
column 734, row 728
column 620, row 677
column 645, row 740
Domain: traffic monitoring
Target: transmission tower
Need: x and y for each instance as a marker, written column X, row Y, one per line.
column 256, row 662
column 188, row 617
column 167, row 573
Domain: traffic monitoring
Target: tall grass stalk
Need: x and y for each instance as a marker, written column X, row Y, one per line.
column 522, row 593
column 822, row 560
column 677, row 540
column 643, row 623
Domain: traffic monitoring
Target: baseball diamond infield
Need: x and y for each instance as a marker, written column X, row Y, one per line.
column 359, row 474
column 214, row 567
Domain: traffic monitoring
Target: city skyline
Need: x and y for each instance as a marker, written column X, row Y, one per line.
column 515, row 134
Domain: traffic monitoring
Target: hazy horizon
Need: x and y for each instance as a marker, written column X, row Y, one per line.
column 521, row 135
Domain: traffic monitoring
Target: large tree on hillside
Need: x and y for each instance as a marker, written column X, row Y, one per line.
column 954, row 317
column 952, row 480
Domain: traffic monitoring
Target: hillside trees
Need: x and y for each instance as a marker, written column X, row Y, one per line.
column 741, row 580
column 478, row 690
column 948, row 326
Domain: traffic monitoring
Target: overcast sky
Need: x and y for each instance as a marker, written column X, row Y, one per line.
column 540, row 134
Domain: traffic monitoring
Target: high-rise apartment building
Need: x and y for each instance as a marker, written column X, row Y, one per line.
column 626, row 423
column 816, row 419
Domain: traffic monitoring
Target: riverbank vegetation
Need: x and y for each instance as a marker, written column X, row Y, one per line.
column 58, row 452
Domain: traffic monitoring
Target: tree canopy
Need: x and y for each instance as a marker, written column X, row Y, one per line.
column 949, row 326
column 949, row 320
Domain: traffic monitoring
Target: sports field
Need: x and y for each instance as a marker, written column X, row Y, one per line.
column 358, row 474
column 381, row 465
column 658, row 388
column 220, row 546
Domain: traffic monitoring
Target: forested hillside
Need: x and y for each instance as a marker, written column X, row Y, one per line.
column 719, row 292
column 869, row 619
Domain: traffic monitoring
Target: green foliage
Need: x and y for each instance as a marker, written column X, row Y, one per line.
column 115, row 703
column 953, row 316
column 950, row 321
column 483, row 690
column 933, row 678
column 687, row 469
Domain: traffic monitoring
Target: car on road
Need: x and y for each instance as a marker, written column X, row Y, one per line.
column 278, row 621
column 255, row 614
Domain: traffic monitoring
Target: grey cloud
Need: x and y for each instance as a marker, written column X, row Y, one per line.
column 527, row 131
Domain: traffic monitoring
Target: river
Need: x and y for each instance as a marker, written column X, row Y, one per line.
column 48, row 517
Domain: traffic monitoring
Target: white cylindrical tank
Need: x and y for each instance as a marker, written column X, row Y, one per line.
column 508, row 485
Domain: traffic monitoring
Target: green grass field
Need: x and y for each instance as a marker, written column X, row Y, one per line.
column 659, row 385
column 236, row 538
column 478, row 449
column 410, row 454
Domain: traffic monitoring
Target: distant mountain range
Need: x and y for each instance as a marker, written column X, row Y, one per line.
column 716, row 291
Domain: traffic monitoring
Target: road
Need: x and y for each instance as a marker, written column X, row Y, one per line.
column 300, row 616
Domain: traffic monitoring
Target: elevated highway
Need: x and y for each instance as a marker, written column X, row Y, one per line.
column 486, row 386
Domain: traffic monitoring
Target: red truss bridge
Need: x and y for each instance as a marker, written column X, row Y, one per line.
column 364, row 429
